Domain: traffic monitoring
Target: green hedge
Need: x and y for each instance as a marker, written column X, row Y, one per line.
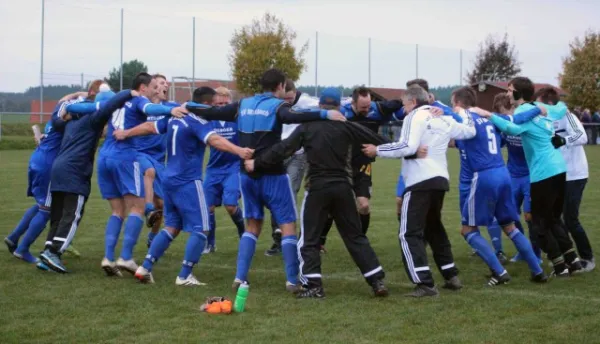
column 17, row 142
column 20, row 129
column 21, row 143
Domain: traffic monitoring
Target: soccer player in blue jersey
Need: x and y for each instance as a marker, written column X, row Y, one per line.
column 71, row 176
column 222, row 179
column 489, row 192
column 185, row 204
column 151, row 156
column 259, row 120
column 40, row 164
column 120, row 177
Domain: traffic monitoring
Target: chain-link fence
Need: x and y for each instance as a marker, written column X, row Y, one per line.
column 82, row 42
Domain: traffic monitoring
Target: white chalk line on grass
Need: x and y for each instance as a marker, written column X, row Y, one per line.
column 348, row 276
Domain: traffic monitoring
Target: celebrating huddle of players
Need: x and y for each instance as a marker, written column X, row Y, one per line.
column 150, row 169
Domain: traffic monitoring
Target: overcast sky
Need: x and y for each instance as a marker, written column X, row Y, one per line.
column 83, row 36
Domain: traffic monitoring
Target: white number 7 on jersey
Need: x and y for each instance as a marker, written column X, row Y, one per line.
column 173, row 139
column 492, row 146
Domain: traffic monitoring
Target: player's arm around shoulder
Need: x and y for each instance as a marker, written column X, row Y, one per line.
column 227, row 113
column 204, row 130
column 413, row 129
column 576, row 135
column 144, row 129
column 465, row 130
column 106, row 109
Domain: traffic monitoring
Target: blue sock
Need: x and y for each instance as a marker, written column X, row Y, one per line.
column 111, row 236
column 133, row 227
column 478, row 243
column 159, row 245
column 238, row 220
column 212, row 222
column 289, row 249
column 519, row 226
column 245, row 254
column 193, row 251
column 149, row 208
column 525, row 250
column 22, row 226
column 496, row 235
column 36, row 227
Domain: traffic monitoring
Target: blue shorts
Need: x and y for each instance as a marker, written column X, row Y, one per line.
column 221, row 188
column 400, row 186
column 521, row 193
column 488, row 195
column 147, row 162
column 38, row 180
column 119, row 177
column 185, row 207
column 271, row 191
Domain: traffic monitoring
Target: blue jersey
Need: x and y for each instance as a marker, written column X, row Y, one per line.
column 517, row 165
column 50, row 144
column 481, row 152
column 224, row 162
column 543, row 159
column 73, row 167
column 186, row 143
column 134, row 113
column 154, row 145
column 259, row 119
column 379, row 113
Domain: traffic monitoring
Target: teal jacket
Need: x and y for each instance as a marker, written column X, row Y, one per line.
column 543, row 159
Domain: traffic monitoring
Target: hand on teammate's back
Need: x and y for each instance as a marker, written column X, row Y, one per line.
column 436, row 111
column 249, row 165
column 135, row 93
column 481, row 112
column 120, row 135
column 422, row 152
column 246, row 153
column 369, row 150
column 543, row 109
column 179, row 112
column 558, row 141
column 335, row 115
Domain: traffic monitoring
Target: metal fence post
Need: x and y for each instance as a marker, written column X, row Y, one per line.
column 316, row 64
column 194, row 51
column 121, row 68
column 417, row 61
column 461, row 67
column 42, row 64
column 369, row 61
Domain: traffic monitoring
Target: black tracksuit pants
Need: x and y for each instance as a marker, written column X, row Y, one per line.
column 420, row 222
column 547, row 202
column 573, row 195
column 338, row 200
column 66, row 212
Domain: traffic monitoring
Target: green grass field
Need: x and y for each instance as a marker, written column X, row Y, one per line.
column 84, row 306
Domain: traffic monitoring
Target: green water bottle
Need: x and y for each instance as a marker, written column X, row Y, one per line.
column 240, row 298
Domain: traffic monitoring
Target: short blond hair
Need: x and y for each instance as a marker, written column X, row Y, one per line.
column 223, row 91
